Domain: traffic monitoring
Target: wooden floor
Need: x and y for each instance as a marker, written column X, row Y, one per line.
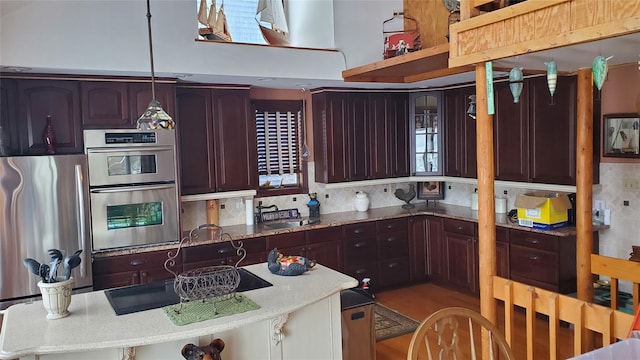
column 420, row 301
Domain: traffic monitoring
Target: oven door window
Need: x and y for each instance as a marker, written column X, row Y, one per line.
column 131, row 164
column 134, row 215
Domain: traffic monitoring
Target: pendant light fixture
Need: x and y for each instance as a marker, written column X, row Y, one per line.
column 599, row 69
column 154, row 117
column 471, row 111
column 516, row 83
column 552, row 77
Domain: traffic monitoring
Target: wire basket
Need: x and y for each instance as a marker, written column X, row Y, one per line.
column 212, row 282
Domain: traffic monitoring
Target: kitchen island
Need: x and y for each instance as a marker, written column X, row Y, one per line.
column 299, row 317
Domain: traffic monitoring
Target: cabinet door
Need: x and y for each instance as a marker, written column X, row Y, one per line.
column 61, row 100
column 511, row 134
column 418, row 248
column 460, row 257
column 359, row 135
column 8, row 116
column 381, row 132
column 330, row 127
column 436, row 261
column 195, row 136
column 399, row 108
column 140, row 97
column 469, row 142
column 114, row 280
column 502, row 252
column 235, row 146
column 328, row 254
column 105, row 105
column 552, row 132
column 453, row 105
column 425, row 110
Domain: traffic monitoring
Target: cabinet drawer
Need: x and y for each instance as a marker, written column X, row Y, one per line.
column 131, row 262
column 360, row 230
column 286, row 240
column 391, row 225
column 534, row 264
column 533, row 240
column 393, row 245
column 324, row 234
column 393, row 272
column 459, row 227
column 360, row 250
column 207, row 252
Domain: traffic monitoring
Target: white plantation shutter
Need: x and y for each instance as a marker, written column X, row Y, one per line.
column 278, row 128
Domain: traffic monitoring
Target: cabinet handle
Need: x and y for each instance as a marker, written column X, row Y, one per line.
column 532, row 241
column 459, row 228
column 224, row 251
column 136, row 262
column 360, row 244
column 534, row 257
column 391, row 239
column 392, row 265
column 361, row 271
column 358, row 231
column 389, row 227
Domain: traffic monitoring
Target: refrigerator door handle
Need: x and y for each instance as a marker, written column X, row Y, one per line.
column 133, row 188
column 128, row 149
column 81, row 218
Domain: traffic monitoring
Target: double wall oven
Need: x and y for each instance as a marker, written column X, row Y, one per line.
column 132, row 187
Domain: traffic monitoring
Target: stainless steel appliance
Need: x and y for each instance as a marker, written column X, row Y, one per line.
column 43, row 205
column 132, row 187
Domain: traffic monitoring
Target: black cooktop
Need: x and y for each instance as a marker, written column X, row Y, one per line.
column 130, row 299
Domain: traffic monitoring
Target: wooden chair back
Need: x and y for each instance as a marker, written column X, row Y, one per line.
column 455, row 333
column 618, row 269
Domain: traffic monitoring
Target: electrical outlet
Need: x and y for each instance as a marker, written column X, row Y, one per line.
column 631, row 184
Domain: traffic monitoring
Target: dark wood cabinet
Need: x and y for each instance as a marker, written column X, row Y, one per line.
column 542, row 260
column 389, row 134
column 361, row 251
column 119, row 104
column 8, row 114
column 511, row 134
column 393, row 252
column 460, row 153
column 224, row 253
column 553, row 131
column 133, row 269
column 460, row 255
column 217, row 140
column 362, row 136
column 502, row 252
column 58, row 98
column 324, row 245
column 426, row 250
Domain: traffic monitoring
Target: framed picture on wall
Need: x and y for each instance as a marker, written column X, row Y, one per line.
column 431, row 190
column 621, row 135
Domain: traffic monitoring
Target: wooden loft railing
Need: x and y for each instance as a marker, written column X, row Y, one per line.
column 618, row 269
column 536, row 25
column 611, row 324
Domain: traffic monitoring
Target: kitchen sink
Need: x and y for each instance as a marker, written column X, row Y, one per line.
column 131, row 299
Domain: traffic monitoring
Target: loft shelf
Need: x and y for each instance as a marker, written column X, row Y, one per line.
column 419, row 65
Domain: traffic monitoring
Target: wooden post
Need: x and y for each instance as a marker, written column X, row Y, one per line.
column 213, row 215
column 486, row 202
column 584, row 195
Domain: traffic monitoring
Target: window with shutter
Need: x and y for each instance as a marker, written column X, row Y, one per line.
column 278, row 128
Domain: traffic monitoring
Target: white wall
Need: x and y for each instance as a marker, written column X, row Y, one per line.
column 110, row 37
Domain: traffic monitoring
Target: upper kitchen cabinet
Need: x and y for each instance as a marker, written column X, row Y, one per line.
column 426, row 130
column 511, row 134
column 217, row 140
column 60, row 100
column 359, row 136
column 460, row 157
column 118, row 104
column 8, row 113
column 552, row 131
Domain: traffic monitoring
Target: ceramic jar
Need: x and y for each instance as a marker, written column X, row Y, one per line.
column 361, row 201
column 56, row 297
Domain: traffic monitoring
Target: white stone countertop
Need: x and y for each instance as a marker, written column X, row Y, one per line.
column 93, row 323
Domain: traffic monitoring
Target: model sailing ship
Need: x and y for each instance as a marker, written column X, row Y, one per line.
column 216, row 27
column 272, row 22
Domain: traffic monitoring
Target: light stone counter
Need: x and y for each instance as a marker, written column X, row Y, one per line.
column 93, row 325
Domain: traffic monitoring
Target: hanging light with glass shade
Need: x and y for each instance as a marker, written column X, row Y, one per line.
column 471, row 111
column 154, row 117
column 516, row 83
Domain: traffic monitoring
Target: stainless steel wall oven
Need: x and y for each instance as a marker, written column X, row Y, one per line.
column 132, row 187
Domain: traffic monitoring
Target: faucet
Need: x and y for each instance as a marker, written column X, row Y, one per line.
column 260, row 208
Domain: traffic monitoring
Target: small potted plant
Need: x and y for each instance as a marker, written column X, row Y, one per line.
column 55, row 289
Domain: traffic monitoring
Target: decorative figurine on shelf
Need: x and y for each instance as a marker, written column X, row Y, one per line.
column 314, row 208
column 406, row 196
column 288, row 265
column 208, row 352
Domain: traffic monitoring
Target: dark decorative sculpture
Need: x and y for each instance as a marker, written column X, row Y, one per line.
column 294, row 265
column 406, row 196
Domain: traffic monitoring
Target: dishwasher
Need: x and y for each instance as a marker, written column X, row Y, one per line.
column 358, row 329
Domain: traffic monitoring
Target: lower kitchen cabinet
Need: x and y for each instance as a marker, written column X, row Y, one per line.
column 224, row 253
column 133, row 269
column 361, row 251
column 325, row 246
column 460, row 254
column 393, row 252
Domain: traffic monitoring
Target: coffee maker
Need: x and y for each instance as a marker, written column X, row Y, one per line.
column 572, row 212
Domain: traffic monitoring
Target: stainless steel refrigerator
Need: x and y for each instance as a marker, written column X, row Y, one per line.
column 43, row 205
